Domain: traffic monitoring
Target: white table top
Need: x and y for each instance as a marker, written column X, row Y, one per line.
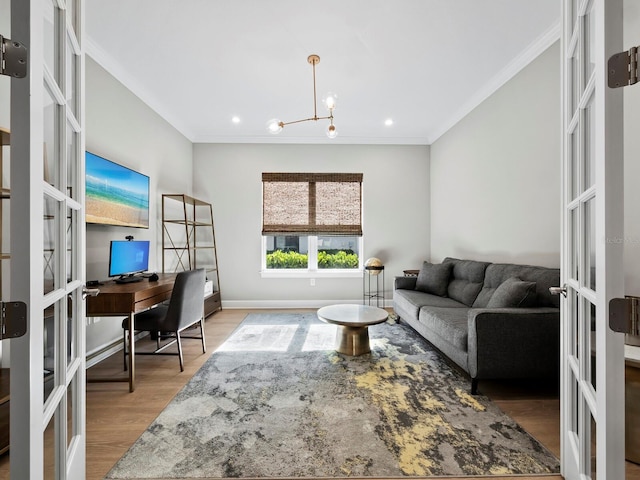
column 352, row 315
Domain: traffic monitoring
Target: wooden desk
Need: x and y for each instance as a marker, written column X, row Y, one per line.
column 125, row 300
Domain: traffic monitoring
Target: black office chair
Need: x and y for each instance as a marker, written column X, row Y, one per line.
column 185, row 309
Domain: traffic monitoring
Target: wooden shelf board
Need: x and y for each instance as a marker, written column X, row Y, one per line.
column 186, row 198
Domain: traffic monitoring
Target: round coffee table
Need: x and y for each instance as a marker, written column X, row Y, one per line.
column 353, row 320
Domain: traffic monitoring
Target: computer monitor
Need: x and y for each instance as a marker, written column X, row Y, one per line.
column 128, row 257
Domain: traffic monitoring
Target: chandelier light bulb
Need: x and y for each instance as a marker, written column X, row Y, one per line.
column 274, row 126
column 330, row 100
column 331, row 131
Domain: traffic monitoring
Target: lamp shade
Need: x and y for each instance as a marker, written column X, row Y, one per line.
column 373, row 266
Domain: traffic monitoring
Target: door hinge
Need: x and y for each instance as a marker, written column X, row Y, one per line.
column 623, row 68
column 13, row 58
column 13, row 319
column 624, row 315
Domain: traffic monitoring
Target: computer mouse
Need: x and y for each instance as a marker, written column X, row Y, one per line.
column 153, row 277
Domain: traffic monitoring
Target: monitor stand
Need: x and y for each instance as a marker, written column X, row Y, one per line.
column 128, row 279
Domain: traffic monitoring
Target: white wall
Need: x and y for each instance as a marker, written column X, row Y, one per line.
column 495, row 176
column 395, row 214
column 121, row 128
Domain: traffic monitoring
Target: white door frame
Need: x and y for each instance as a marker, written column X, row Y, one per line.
column 47, row 216
column 592, row 356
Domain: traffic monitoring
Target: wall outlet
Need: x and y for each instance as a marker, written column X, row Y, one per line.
column 312, row 282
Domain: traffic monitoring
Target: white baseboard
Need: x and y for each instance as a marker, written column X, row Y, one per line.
column 100, row 353
column 286, row 304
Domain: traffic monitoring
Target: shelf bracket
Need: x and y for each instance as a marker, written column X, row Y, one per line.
column 13, row 319
column 13, row 58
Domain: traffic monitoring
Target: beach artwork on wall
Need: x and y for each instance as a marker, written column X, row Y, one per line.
column 115, row 195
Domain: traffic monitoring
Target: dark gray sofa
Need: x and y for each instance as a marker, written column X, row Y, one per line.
column 507, row 336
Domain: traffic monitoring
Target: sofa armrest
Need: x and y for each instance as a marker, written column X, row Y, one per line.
column 405, row 283
column 513, row 342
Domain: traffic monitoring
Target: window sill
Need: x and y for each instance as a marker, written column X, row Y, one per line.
column 292, row 273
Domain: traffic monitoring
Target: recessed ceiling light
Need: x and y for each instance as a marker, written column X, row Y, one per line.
column 235, row 119
column 388, row 122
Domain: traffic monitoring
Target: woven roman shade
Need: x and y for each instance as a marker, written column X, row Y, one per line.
column 312, row 204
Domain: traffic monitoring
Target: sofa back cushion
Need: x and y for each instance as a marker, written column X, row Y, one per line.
column 543, row 277
column 467, row 279
column 434, row 278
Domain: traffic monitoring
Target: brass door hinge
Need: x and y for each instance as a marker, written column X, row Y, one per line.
column 13, row 319
column 623, row 68
column 13, row 58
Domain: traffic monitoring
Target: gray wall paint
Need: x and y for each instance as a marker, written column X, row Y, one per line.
column 395, row 220
column 121, row 128
column 495, row 176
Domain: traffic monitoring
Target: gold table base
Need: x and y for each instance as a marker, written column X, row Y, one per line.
column 352, row 341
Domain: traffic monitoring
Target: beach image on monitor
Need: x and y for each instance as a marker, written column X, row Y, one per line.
column 115, row 195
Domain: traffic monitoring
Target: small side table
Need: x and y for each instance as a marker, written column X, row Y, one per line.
column 411, row 273
column 371, row 290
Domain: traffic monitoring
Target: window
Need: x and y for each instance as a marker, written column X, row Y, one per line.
column 311, row 222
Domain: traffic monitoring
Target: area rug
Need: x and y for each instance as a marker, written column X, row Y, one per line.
column 275, row 400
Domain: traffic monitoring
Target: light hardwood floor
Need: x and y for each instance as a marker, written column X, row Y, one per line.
column 116, row 418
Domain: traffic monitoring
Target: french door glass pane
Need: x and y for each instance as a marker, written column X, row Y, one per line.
column 589, row 43
column 575, row 94
column 70, row 232
column 593, row 449
column 72, row 15
column 49, row 36
column 71, row 340
column 49, row 472
column 573, row 15
column 590, row 243
column 71, row 61
column 72, row 143
column 49, row 340
column 50, row 210
column 574, row 235
column 573, row 306
column 50, row 147
column 575, row 165
column 589, row 158
column 573, row 382
column 591, row 318
column 70, row 423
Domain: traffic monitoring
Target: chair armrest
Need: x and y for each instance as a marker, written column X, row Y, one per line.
column 513, row 342
column 405, row 283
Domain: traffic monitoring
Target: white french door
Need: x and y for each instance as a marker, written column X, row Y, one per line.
column 47, row 242
column 592, row 358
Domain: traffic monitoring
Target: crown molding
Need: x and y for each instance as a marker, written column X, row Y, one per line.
column 543, row 42
column 320, row 139
column 113, row 67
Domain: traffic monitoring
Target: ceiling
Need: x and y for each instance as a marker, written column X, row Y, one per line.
column 424, row 64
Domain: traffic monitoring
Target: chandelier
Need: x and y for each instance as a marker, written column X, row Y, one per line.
column 275, row 126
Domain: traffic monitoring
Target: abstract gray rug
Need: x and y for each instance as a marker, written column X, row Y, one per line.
column 275, row 400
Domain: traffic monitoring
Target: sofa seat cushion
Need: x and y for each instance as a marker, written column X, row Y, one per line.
column 513, row 293
column 449, row 323
column 410, row 301
column 434, row 278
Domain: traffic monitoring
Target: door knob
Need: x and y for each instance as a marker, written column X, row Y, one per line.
column 559, row 291
column 89, row 292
